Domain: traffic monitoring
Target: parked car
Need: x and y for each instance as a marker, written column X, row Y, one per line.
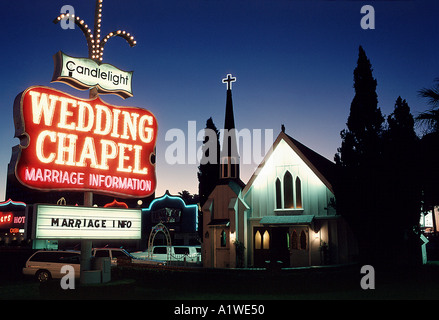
column 172, row 253
column 46, row 265
column 122, row 257
column 117, row 256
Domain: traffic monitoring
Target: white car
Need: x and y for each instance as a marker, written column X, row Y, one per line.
column 120, row 257
column 171, row 253
column 46, row 265
column 117, row 256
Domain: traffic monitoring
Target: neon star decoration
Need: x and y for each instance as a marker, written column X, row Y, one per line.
column 229, row 81
column 94, row 42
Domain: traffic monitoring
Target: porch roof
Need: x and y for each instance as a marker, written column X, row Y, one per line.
column 298, row 219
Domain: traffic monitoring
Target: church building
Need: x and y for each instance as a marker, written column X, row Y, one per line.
column 283, row 216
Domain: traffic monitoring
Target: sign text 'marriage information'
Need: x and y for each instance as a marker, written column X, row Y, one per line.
column 79, row 144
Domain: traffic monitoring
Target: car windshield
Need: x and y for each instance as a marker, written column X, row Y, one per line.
column 121, row 253
column 102, row 253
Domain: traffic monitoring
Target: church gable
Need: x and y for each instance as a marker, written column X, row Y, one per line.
column 289, row 181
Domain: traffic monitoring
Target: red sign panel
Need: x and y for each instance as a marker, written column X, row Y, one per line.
column 69, row 143
column 12, row 221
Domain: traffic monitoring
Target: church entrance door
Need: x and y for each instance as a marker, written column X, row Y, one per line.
column 271, row 244
column 280, row 246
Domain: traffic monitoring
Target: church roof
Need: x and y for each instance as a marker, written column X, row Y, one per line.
column 322, row 167
column 235, row 184
column 229, row 121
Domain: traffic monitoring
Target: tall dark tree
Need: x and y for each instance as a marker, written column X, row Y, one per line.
column 208, row 170
column 401, row 201
column 359, row 162
column 360, row 142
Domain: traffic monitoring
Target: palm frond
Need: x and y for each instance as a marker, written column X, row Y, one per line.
column 429, row 119
column 431, row 94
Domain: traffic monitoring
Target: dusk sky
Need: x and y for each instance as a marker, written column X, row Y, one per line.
column 293, row 60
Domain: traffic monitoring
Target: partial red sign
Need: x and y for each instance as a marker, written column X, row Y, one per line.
column 69, row 143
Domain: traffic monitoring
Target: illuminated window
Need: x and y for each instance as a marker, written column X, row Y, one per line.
column 266, row 240
column 225, row 168
column 288, row 190
column 303, row 240
column 223, row 239
column 294, row 243
column 258, row 240
column 229, row 167
column 278, row 195
column 292, row 193
column 298, row 193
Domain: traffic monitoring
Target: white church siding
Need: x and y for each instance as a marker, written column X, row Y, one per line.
column 323, row 239
column 261, row 195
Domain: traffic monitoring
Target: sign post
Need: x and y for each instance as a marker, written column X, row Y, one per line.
column 86, row 145
column 87, row 245
column 95, row 52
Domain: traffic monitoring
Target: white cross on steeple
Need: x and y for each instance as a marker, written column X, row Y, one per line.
column 229, row 81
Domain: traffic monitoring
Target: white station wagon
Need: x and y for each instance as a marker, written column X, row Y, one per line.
column 46, row 265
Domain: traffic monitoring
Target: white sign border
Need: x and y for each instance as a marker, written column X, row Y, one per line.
column 59, row 76
column 112, row 230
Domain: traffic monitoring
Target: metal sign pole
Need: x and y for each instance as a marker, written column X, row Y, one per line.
column 95, row 52
column 87, row 245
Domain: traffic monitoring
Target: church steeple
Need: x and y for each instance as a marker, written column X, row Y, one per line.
column 229, row 160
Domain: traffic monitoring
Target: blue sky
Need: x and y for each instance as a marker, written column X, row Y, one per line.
column 294, row 62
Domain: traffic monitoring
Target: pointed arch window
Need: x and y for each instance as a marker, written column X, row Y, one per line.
column 288, row 190
column 258, row 240
column 294, row 240
column 278, row 194
column 303, row 240
column 298, row 193
column 223, row 239
column 266, row 240
column 224, row 167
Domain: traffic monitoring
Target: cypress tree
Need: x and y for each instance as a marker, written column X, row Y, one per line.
column 208, row 170
column 361, row 140
column 401, row 199
column 359, row 163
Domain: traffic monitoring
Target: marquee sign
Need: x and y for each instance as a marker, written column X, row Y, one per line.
column 69, row 143
column 68, row 222
column 84, row 73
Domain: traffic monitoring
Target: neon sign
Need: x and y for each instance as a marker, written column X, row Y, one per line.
column 6, row 218
column 11, row 220
column 84, row 73
column 69, row 143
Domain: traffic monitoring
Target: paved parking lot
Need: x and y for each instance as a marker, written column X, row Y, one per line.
column 134, row 282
